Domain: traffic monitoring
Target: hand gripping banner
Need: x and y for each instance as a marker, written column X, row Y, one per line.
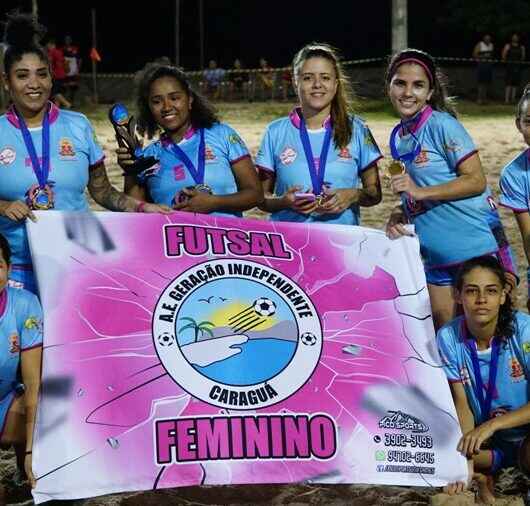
column 189, row 349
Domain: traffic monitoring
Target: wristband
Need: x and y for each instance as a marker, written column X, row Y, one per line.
column 140, row 207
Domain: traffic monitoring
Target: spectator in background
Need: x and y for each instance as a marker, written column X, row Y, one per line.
column 239, row 81
column 265, row 79
column 484, row 51
column 213, row 77
column 72, row 59
column 287, row 80
column 58, row 68
column 513, row 53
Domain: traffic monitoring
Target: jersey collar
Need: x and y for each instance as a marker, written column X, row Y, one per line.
column 414, row 124
column 296, row 114
column 13, row 119
column 167, row 141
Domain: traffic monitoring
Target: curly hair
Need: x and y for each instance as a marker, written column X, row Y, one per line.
column 506, row 322
column 5, row 249
column 342, row 103
column 21, row 35
column 440, row 99
column 202, row 114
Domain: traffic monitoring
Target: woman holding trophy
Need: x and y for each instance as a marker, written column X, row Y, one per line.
column 438, row 174
column 48, row 156
column 203, row 166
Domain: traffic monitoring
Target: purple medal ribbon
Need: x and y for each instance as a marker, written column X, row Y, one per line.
column 196, row 173
column 41, row 171
column 485, row 402
column 317, row 177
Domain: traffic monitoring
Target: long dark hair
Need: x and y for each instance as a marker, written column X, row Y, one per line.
column 506, row 322
column 5, row 249
column 21, row 35
column 203, row 114
column 342, row 104
column 440, row 99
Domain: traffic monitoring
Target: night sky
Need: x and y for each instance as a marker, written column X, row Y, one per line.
column 130, row 36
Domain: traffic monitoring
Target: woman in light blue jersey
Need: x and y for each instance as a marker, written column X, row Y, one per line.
column 48, row 157
column 438, row 174
column 319, row 164
column 484, row 355
column 203, row 164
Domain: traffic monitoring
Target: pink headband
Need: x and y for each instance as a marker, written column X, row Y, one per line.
column 420, row 63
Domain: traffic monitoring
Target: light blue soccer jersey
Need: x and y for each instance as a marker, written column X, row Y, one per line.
column 450, row 232
column 73, row 149
column 511, row 385
column 224, row 147
column 20, row 329
column 282, row 155
column 515, row 183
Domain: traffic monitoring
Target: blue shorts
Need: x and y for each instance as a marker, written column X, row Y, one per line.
column 504, row 453
column 445, row 276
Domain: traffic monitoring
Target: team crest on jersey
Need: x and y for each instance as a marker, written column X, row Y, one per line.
column 526, row 347
column 7, row 155
column 14, row 345
column 453, row 147
column 516, row 370
column 209, row 154
column 464, row 375
column 369, row 139
column 243, row 320
column 66, row 148
column 422, row 158
column 235, row 139
column 288, row 155
column 345, row 155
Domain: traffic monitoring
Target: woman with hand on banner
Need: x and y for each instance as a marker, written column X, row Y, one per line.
column 484, row 354
column 319, row 164
column 203, row 164
column 21, row 337
column 515, row 180
column 438, row 174
column 48, row 156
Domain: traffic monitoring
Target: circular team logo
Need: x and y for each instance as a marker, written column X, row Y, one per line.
column 7, row 156
column 237, row 334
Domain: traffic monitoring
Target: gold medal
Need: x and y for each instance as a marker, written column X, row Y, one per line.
column 396, row 168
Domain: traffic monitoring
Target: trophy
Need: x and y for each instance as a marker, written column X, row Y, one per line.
column 125, row 128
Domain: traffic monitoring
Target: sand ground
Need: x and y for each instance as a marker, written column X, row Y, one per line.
column 498, row 142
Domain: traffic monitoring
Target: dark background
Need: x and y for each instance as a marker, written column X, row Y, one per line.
column 131, row 33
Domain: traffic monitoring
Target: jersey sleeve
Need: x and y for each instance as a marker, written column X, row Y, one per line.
column 235, row 146
column 447, row 350
column 265, row 157
column 29, row 321
column 95, row 153
column 513, row 189
column 153, row 150
column 454, row 140
column 369, row 151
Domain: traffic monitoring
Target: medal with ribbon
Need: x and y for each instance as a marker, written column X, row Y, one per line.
column 39, row 196
column 397, row 166
column 478, row 386
column 317, row 176
column 197, row 173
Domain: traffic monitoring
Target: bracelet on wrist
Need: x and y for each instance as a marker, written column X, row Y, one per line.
column 28, row 452
column 140, row 207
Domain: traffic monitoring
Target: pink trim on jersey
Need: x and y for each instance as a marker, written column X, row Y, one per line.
column 465, row 157
column 514, row 209
column 239, row 159
column 296, row 114
column 3, row 302
column 418, row 121
column 371, row 163
column 166, row 140
column 31, row 347
column 265, row 173
column 98, row 162
column 11, row 115
column 455, row 381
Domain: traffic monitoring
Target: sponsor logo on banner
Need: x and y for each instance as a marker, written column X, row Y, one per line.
column 7, row 155
column 402, row 421
column 288, row 155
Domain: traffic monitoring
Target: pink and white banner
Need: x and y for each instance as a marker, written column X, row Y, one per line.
column 185, row 350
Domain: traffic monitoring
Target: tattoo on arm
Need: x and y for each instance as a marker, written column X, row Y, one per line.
column 105, row 194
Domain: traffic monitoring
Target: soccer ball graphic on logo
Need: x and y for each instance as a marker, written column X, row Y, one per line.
column 264, row 307
column 308, row 338
column 166, row 339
